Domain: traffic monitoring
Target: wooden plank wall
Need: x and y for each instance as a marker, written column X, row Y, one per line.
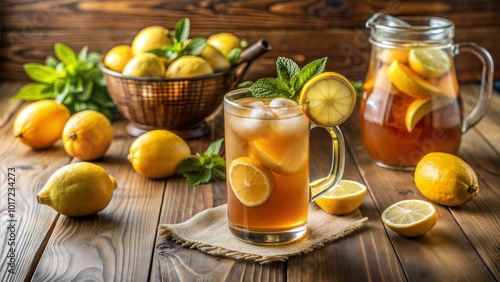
column 301, row 29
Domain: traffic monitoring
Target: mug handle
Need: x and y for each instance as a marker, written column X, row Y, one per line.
column 323, row 185
column 486, row 88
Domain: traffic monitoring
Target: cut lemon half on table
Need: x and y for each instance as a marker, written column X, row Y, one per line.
column 429, row 62
column 410, row 83
column 280, row 159
column 344, row 198
column 410, row 218
column 328, row 99
column 251, row 182
column 419, row 108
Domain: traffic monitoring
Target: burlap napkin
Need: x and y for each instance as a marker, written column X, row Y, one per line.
column 208, row 231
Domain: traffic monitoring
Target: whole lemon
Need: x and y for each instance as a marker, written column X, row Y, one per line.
column 224, row 42
column 78, row 189
column 145, row 65
column 188, row 66
column 214, row 57
column 40, row 124
column 446, row 179
column 87, row 135
column 118, row 57
column 158, row 153
column 149, row 38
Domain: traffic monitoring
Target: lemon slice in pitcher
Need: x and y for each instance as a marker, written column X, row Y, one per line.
column 251, row 182
column 328, row 99
column 429, row 62
column 410, row 83
column 419, row 108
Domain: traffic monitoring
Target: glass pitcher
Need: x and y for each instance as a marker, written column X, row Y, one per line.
column 411, row 101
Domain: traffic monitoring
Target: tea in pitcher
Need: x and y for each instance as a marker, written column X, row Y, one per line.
column 404, row 114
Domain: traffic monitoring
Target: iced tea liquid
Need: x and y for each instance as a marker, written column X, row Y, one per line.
column 384, row 109
column 280, row 136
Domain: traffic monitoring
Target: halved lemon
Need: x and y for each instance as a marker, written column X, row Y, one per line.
column 410, row 218
column 328, row 99
column 410, row 83
column 429, row 62
column 282, row 158
column 344, row 198
column 251, row 182
column 419, row 108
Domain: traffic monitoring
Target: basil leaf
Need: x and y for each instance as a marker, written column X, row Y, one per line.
column 51, row 62
column 286, row 68
column 196, row 46
column 32, row 92
column 182, row 30
column 82, row 55
column 40, row 73
column 65, row 54
column 101, row 98
column 270, row 88
column 87, row 91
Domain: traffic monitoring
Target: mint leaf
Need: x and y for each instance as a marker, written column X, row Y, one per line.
column 286, row 68
column 64, row 53
column 309, row 71
column 214, row 147
column 200, row 170
column 40, row 73
column 270, row 88
column 182, row 30
column 245, row 84
column 234, row 56
column 196, row 46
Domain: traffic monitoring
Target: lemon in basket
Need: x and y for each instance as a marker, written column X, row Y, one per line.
column 188, row 66
column 145, row 65
column 149, row 38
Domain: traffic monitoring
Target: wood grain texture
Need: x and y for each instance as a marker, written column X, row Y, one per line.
column 303, row 30
column 116, row 244
column 442, row 250
column 33, row 222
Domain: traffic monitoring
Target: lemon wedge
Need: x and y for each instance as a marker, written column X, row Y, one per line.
column 429, row 62
column 410, row 83
column 251, row 182
column 344, row 198
column 328, row 99
column 422, row 107
column 280, row 159
column 410, row 218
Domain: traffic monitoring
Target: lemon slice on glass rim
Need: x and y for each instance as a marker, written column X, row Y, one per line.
column 328, row 99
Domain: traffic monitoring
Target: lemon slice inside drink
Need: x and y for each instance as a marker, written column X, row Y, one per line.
column 407, row 81
column 328, row 99
column 419, row 108
column 344, row 198
column 410, row 218
column 251, row 182
column 429, row 62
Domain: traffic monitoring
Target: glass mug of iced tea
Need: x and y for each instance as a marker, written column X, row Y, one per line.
column 411, row 104
column 267, row 156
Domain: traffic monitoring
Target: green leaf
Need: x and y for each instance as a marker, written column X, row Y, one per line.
column 197, row 178
column 65, row 54
column 245, row 84
column 214, row 147
column 309, row 71
column 101, row 97
column 219, row 167
column 234, row 56
column 33, row 91
column 82, row 106
column 60, row 96
column 286, row 68
column 83, row 54
column 51, row 62
column 40, row 73
column 270, row 88
column 196, row 46
column 87, row 91
column 182, row 30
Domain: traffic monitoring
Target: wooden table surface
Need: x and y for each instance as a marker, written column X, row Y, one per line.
column 120, row 243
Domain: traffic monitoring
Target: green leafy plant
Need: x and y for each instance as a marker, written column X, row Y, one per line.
column 179, row 47
column 289, row 82
column 69, row 78
column 201, row 169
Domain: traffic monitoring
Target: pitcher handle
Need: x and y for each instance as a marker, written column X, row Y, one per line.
column 324, row 185
column 486, row 88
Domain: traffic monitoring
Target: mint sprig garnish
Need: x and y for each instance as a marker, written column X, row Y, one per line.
column 290, row 79
column 201, row 169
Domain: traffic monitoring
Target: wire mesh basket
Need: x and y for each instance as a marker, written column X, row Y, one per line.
column 179, row 105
